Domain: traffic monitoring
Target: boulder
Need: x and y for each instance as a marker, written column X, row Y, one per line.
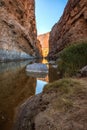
column 83, row 71
column 52, row 62
column 37, row 68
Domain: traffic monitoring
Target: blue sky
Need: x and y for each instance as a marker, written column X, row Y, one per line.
column 48, row 13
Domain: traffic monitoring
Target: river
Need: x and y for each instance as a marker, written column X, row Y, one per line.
column 16, row 86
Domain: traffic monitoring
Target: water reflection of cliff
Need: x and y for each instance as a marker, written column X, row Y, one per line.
column 15, row 87
column 53, row 75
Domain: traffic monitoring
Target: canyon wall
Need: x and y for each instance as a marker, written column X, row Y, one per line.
column 44, row 41
column 39, row 50
column 18, row 35
column 72, row 27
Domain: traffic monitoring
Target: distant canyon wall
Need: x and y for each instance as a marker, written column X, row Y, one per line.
column 18, row 34
column 72, row 27
column 44, row 41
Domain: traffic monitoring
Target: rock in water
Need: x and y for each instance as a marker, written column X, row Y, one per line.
column 37, row 68
column 18, row 35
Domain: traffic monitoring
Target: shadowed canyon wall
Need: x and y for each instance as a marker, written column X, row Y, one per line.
column 72, row 27
column 18, row 35
column 44, row 41
column 39, row 50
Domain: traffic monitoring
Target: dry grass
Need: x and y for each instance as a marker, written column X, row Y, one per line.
column 67, row 90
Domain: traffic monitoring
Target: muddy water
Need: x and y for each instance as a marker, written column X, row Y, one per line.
column 16, row 86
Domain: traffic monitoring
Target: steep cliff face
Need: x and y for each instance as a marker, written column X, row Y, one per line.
column 39, row 49
column 72, row 26
column 17, row 29
column 44, row 41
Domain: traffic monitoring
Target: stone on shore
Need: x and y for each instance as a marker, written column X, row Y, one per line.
column 83, row 71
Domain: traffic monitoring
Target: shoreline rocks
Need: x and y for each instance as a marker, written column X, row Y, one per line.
column 13, row 55
column 82, row 72
column 57, row 108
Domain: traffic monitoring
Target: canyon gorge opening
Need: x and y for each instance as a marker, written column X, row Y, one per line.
column 25, row 103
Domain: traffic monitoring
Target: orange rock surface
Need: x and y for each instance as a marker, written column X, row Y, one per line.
column 18, row 35
column 44, row 41
column 72, row 27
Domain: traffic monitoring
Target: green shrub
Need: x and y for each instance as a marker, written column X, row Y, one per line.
column 72, row 59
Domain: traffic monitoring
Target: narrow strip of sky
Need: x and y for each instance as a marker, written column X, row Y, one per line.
column 48, row 13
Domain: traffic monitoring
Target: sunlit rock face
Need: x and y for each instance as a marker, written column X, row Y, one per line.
column 72, row 27
column 39, row 49
column 44, row 41
column 18, row 35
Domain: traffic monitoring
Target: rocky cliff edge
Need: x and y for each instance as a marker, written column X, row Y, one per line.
column 18, row 35
column 72, row 27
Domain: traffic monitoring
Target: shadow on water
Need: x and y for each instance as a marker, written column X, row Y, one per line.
column 16, row 87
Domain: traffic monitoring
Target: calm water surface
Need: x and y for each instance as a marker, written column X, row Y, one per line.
column 16, row 86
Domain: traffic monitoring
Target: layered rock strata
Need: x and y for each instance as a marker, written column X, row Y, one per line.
column 44, row 41
column 18, row 35
column 39, row 49
column 72, row 27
